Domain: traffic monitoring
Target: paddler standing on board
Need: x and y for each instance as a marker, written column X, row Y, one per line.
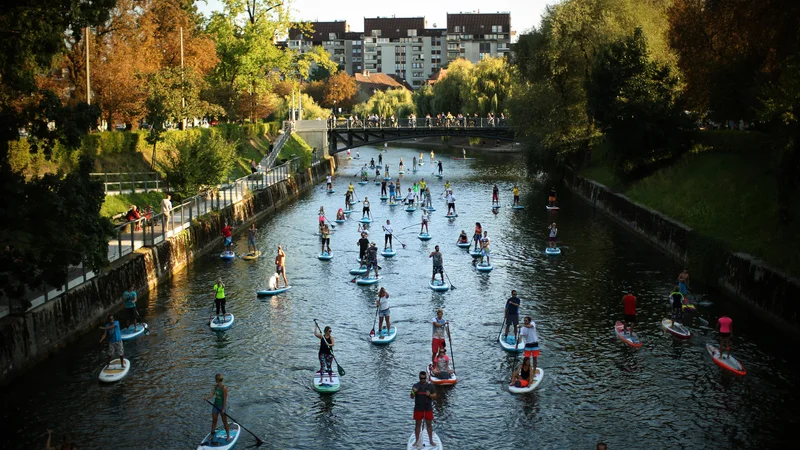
column 220, row 406
column 683, row 282
column 431, row 156
column 114, row 335
column 676, row 302
column 485, row 248
column 553, row 235
column 512, row 313
column 440, row 168
column 629, row 303
column 725, row 329
column 516, row 195
column 280, row 266
column 552, row 197
column 528, row 331
column 228, row 235
column 423, row 395
column 464, row 153
column 325, row 353
column 219, row 296
column 437, row 340
column 451, row 203
column 438, row 267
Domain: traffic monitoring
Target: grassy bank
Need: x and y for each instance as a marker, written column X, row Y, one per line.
column 728, row 194
column 116, row 204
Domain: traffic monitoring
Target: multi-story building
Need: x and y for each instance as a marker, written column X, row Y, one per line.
column 475, row 36
column 332, row 36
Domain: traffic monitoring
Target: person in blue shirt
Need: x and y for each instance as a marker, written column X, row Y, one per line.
column 112, row 332
column 130, row 306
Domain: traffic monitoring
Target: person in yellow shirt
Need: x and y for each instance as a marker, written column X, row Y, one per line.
column 422, row 184
column 516, row 195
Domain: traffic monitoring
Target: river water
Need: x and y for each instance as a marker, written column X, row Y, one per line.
column 665, row 394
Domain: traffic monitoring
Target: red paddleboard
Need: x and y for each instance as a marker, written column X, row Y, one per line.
column 630, row 339
column 728, row 362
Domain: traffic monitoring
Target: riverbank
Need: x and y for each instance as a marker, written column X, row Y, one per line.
column 768, row 291
column 29, row 339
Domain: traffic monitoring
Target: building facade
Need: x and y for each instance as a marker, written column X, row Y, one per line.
column 332, row 36
column 475, row 36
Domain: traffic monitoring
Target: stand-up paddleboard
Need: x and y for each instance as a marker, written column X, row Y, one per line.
column 227, row 256
column 484, row 267
column 329, row 382
column 676, row 329
column 271, row 292
column 475, row 253
column 367, row 281
column 537, row 379
column 517, row 207
column 463, row 244
column 384, row 198
column 387, row 178
column 441, row 381
column 221, row 323
column 133, row 331
column 331, row 191
column 401, row 172
column 377, row 183
column 552, row 208
column 495, row 206
column 388, row 252
column 384, row 336
column 325, row 256
column 114, row 371
column 438, row 286
column 509, row 344
column 429, row 208
column 424, row 237
column 451, row 216
column 426, row 443
column 439, row 176
column 393, row 203
column 462, row 159
column 353, row 202
column 359, row 271
column 339, row 220
column 411, row 208
column 348, row 211
column 363, row 183
column 365, row 219
column 252, row 256
column 630, row 339
column 727, row 362
column 219, row 441
column 552, row 251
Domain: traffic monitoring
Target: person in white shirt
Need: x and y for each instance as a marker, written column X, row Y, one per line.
column 383, row 310
column 329, row 181
column 365, row 208
column 451, row 202
column 528, row 331
column 166, row 210
column 424, row 224
column 410, row 197
column 387, row 238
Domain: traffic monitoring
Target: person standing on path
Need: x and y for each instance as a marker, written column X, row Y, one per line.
column 166, row 211
column 629, row 303
column 220, row 394
column 114, row 335
column 363, row 245
column 423, row 395
column 253, row 166
column 383, row 310
column 553, row 236
column 725, row 329
column 130, row 298
column 227, row 234
column 251, row 239
column 512, row 313
column 438, row 264
column 280, row 266
column 325, row 353
column 387, row 236
column 683, row 282
column 437, row 339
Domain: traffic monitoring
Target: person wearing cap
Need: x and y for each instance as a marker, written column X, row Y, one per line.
column 363, row 245
column 441, row 365
column 372, row 260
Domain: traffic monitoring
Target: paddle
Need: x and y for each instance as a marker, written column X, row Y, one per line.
column 452, row 353
column 398, row 240
column 501, row 327
column 372, row 333
column 258, row 440
column 452, row 288
column 329, row 222
column 516, row 354
column 339, row 368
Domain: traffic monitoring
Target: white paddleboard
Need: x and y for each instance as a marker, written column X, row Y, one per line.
column 537, row 379
column 220, row 440
column 367, row 281
column 384, row 337
column 676, row 329
column 227, row 255
column 221, row 323
column 270, row 292
column 129, row 332
column 327, row 384
column 438, row 286
column 511, row 347
column 114, row 371
column 552, row 251
column 630, row 339
column 424, row 237
column 552, row 208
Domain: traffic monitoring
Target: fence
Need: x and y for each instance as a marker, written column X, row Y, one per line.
column 155, row 228
column 423, row 122
column 118, row 183
column 288, row 127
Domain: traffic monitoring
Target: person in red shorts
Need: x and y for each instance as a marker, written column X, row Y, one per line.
column 528, row 331
column 423, row 395
column 629, row 302
column 437, row 340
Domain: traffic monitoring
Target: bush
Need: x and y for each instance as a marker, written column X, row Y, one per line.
column 201, row 161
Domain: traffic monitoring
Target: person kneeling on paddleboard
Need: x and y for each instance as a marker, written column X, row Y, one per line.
column 524, row 377
column 220, row 406
column 441, row 365
column 325, row 353
column 437, row 340
column 528, row 331
column 340, row 214
column 462, row 238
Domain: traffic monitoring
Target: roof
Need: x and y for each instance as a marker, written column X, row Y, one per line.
column 437, row 76
column 392, row 27
column 433, row 32
column 322, row 30
column 354, row 36
column 377, row 81
column 476, row 23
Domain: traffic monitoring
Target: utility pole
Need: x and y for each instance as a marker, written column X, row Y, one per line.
column 88, row 82
column 183, row 99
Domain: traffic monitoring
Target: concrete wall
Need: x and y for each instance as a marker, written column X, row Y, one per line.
column 315, row 133
column 29, row 339
column 770, row 292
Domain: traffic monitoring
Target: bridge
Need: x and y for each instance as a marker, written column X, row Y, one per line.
column 344, row 135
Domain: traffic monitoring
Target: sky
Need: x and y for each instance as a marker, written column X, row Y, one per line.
column 525, row 14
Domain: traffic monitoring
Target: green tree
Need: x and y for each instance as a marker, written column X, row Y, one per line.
column 397, row 102
column 423, row 100
column 201, row 162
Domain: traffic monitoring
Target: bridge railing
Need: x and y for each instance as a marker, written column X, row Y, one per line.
column 117, row 183
column 359, row 123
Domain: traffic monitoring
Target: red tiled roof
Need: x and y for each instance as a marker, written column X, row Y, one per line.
column 392, row 27
column 377, row 81
column 476, row 23
column 437, row 76
column 322, row 31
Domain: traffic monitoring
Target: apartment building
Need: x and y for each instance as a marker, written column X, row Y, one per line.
column 332, row 36
column 475, row 36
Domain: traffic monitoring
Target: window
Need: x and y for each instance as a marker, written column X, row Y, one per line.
column 383, row 40
column 356, row 59
column 331, row 36
column 485, row 47
column 497, row 28
column 452, row 46
column 376, row 33
column 416, row 48
column 412, row 33
column 417, row 65
column 338, row 51
column 457, row 29
column 417, row 74
column 357, row 51
column 358, row 67
column 356, row 43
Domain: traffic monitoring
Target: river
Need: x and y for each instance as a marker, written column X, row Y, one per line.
column 666, row 394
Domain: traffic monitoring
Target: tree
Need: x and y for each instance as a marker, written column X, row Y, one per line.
column 452, row 93
column 397, row 102
column 200, row 163
column 340, row 91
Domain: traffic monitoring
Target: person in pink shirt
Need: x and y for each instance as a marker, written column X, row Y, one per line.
column 725, row 328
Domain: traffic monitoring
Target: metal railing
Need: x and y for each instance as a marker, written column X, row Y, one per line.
column 456, row 122
column 288, row 127
column 154, row 228
column 115, row 183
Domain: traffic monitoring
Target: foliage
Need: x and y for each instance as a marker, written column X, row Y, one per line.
column 200, row 163
column 340, row 91
column 397, row 102
column 423, row 100
column 117, row 204
column 296, row 147
column 311, row 110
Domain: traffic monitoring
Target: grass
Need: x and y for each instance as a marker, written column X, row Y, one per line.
column 250, row 148
column 115, row 204
column 729, row 196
